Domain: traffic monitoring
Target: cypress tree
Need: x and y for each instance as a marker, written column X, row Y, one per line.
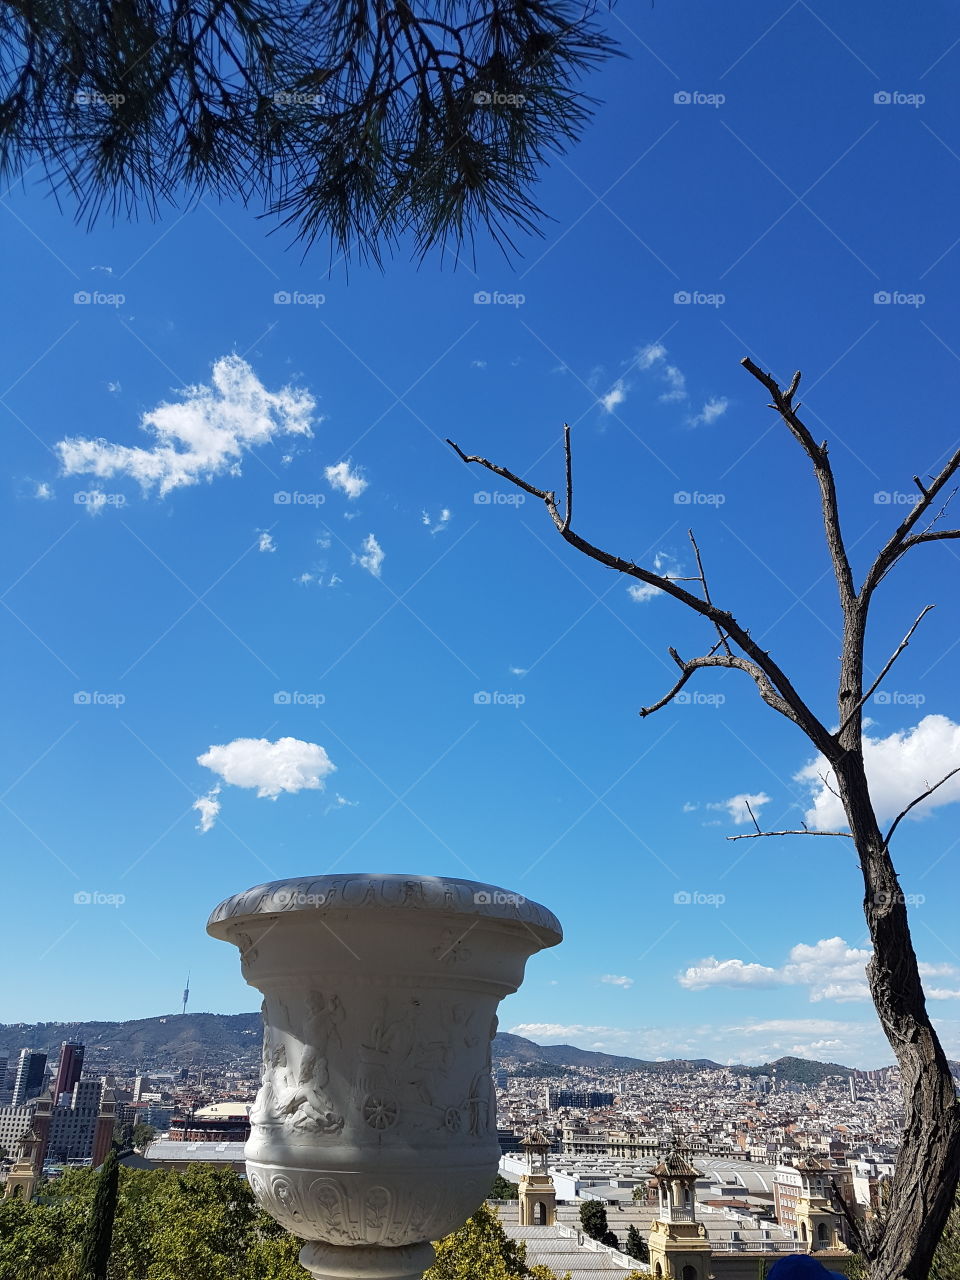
column 96, row 1244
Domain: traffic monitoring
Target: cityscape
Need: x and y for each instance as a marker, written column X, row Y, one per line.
column 759, row 1140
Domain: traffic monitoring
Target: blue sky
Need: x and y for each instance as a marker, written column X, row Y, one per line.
column 777, row 195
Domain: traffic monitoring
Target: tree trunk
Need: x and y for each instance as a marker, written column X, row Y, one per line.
column 928, row 1166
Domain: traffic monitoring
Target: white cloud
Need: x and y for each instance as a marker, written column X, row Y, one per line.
column 650, row 355
column 266, row 543
column 271, row 767
column 690, row 807
column 372, row 555
column 478, row 364
column 856, row 1043
column 441, row 522
column 676, row 384
column 713, row 409
column 203, row 436
column 305, row 579
column 736, row 806
column 663, row 564
column 711, row 972
column 614, row 980
column 44, row 493
column 830, row 970
column 518, row 671
column 556, row 1030
column 95, row 501
column 615, row 396
column 114, row 387
column 340, row 802
column 899, row 768
column 208, row 807
column 343, row 477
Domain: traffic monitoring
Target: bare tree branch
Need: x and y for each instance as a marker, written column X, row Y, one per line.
column 706, row 589
column 913, row 803
column 817, row 453
column 876, row 684
column 934, row 535
column 900, row 540
column 786, row 699
column 803, row 831
column 855, row 1226
column 568, row 459
column 731, row 660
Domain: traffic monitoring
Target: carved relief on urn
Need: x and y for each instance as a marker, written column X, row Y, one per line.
column 374, row 1130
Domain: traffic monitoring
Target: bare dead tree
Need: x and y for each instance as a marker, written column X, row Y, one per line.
column 900, row 1244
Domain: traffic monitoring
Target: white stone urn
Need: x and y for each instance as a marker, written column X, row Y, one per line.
column 374, row 1131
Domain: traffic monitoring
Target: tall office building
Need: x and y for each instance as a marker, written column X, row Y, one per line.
column 68, row 1072
column 81, row 1127
column 29, row 1080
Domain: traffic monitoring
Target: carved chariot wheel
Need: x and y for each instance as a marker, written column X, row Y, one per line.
column 380, row 1111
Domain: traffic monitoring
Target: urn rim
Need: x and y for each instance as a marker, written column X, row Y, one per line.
column 365, row 891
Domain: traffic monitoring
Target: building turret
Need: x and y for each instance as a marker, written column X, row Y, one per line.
column 537, row 1194
column 679, row 1248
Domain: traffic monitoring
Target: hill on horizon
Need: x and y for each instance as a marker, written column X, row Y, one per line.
column 206, row 1039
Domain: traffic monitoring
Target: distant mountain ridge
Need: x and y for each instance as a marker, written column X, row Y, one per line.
column 210, row 1038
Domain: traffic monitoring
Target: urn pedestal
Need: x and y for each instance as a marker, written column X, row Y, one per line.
column 374, row 1131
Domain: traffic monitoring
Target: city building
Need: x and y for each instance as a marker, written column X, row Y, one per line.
column 583, row 1099
column 219, row 1122
column 68, row 1069
column 164, row 1153
column 81, row 1127
column 14, row 1123
column 30, row 1076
